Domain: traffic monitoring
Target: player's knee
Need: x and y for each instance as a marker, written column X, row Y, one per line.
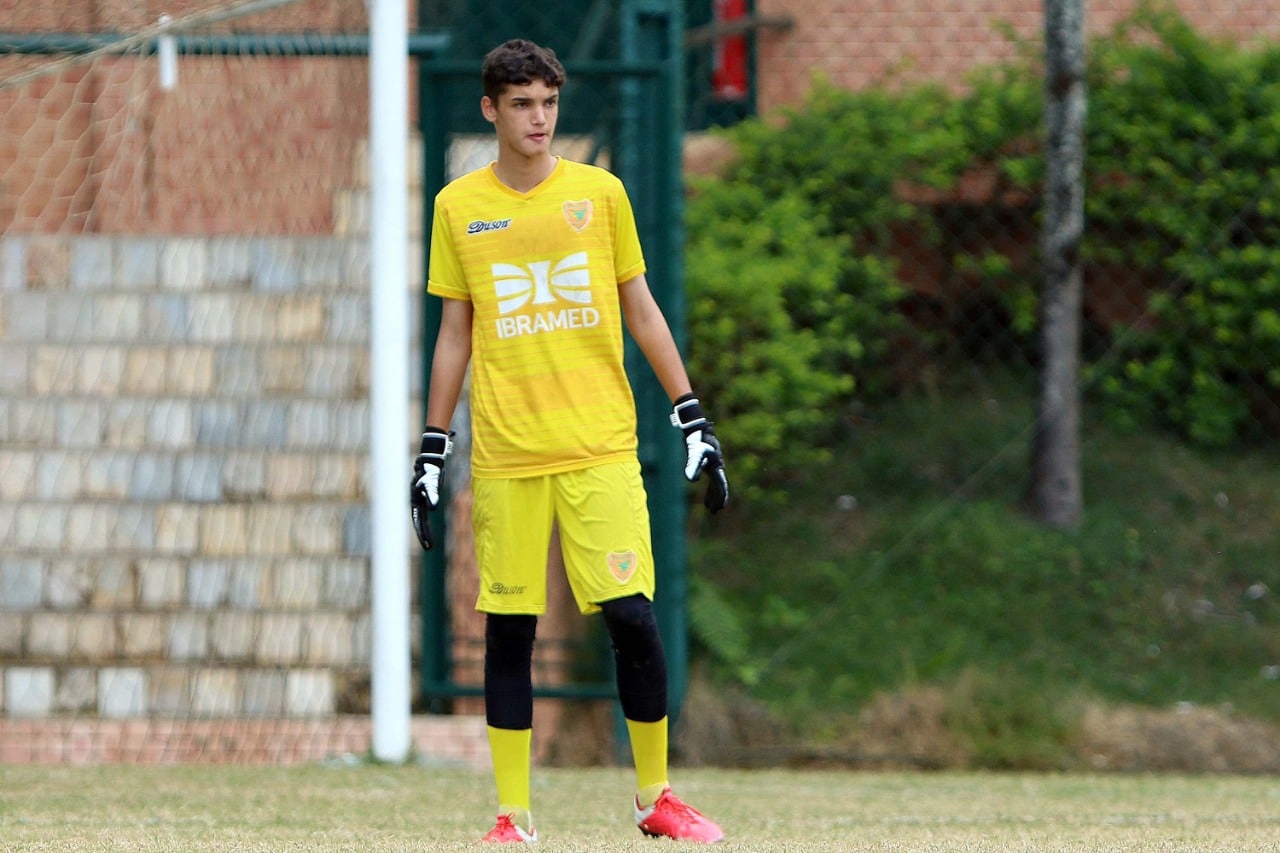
column 639, row 658
column 508, row 676
column 633, row 627
column 508, row 636
column 629, row 616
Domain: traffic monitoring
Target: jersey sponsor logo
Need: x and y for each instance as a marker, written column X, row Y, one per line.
column 479, row 226
column 499, row 588
column 540, row 284
column 578, row 214
column 622, row 564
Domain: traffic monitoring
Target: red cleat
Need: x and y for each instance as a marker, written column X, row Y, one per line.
column 506, row 832
column 670, row 817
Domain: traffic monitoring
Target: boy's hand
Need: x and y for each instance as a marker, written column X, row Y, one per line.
column 424, row 490
column 702, row 451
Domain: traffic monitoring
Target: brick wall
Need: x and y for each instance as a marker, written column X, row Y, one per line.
column 82, row 16
column 262, row 144
column 859, row 43
column 242, row 144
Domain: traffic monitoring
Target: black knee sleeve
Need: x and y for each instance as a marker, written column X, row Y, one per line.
column 639, row 657
column 508, row 670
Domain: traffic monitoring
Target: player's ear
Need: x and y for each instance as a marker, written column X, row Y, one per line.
column 488, row 108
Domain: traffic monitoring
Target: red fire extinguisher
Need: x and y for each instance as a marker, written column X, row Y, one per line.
column 729, row 71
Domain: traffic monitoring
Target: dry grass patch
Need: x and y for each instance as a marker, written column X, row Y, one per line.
column 915, row 728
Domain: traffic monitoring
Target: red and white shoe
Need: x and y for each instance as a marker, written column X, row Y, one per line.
column 670, row 817
column 506, row 832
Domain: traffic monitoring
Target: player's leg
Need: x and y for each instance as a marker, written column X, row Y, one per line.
column 641, row 671
column 609, row 561
column 642, row 689
column 508, row 708
column 512, row 522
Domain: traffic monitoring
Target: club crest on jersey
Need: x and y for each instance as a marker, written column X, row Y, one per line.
column 578, row 213
column 622, row 564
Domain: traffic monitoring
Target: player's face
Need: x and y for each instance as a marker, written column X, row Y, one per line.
column 525, row 118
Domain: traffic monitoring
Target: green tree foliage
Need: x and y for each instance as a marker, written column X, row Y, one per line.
column 1185, row 153
column 792, row 293
column 795, row 299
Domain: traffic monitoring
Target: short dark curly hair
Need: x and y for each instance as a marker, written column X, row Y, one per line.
column 518, row 62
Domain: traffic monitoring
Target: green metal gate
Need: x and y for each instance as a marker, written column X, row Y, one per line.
column 625, row 99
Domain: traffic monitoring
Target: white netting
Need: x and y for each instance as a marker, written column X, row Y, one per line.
column 240, row 144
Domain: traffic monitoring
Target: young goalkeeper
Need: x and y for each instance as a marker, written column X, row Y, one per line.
column 539, row 264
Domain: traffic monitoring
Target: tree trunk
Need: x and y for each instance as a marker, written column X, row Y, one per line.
column 1054, row 494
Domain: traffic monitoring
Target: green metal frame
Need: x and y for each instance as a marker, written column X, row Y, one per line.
column 645, row 82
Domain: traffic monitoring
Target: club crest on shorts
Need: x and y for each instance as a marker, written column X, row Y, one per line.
column 578, row 213
column 622, row 564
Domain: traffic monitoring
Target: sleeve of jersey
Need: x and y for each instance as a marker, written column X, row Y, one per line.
column 628, row 258
column 444, row 270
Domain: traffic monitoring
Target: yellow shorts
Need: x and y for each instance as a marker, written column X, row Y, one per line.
column 603, row 516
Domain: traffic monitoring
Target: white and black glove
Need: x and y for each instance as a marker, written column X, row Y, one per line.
column 424, row 491
column 702, row 451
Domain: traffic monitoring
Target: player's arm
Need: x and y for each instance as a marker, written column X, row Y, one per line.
column 649, row 328
column 449, row 363
column 448, row 369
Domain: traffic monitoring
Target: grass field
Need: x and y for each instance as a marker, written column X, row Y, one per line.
column 381, row 808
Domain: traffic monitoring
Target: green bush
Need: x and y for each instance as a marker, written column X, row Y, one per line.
column 792, row 293
column 796, row 304
column 1184, row 147
column 774, row 319
column 793, row 296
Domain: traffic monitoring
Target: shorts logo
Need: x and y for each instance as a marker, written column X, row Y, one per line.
column 499, row 588
column 544, row 283
column 622, row 564
column 578, row 214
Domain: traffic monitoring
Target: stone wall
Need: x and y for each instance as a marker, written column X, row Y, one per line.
column 184, row 429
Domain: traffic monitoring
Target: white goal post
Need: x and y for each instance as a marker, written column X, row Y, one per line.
column 388, row 132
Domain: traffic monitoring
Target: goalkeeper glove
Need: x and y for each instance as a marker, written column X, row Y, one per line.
column 702, row 451
column 424, row 491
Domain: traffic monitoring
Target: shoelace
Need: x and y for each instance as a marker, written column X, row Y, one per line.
column 505, row 824
column 686, row 812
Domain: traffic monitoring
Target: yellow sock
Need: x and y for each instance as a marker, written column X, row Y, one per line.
column 510, row 749
column 649, row 750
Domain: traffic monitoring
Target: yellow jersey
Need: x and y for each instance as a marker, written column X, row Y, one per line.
column 549, row 390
